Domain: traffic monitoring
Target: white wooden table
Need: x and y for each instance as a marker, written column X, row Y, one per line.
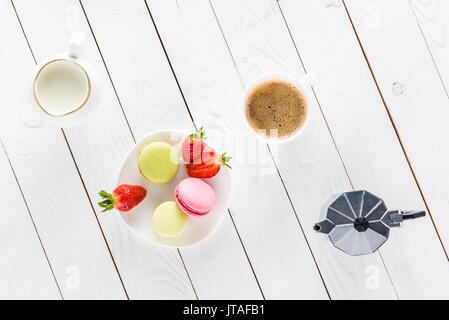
column 380, row 109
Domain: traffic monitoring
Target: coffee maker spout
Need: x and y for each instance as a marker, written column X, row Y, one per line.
column 324, row 226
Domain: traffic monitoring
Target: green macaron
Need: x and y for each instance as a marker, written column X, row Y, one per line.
column 169, row 220
column 158, row 162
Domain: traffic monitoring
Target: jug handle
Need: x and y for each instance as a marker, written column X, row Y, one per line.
column 77, row 43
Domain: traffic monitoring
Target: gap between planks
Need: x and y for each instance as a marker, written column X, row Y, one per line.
column 272, row 157
column 194, row 124
column 195, row 127
column 79, row 174
column 333, row 141
column 393, row 123
column 330, row 132
column 31, row 218
column 428, row 48
column 17, row 180
column 130, row 130
column 332, row 136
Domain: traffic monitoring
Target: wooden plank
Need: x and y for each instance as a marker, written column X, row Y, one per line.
column 273, row 243
column 432, row 17
column 151, row 99
column 99, row 146
column 415, row 97
column 367, row 141
column 19, row 243
column 50, row 182
column 312, row 171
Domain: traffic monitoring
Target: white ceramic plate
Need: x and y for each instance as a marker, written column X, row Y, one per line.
column 139, row 219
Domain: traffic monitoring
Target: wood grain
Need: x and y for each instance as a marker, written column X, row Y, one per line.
column 416, row 99
column 383, row 70
column 367, row 140
column 432, row 17
column 19, row 243
column 98, row 147
column 260, row 206
column 310, row 173
column 152, row 100
column 50, row 182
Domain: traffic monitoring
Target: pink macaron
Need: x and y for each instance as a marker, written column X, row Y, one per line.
column 195, row 197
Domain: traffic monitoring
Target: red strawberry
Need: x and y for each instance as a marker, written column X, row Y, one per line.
column 208, row 155
column 123, row 198
column 193, row 146
column 209, row 167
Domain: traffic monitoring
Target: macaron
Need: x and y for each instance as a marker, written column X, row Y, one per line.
column 158, row 162
column 195, row 197
column 169, row 220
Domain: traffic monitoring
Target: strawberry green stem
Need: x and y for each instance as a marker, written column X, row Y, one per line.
column 199, row 135
column 225, row 160
column 108, row 202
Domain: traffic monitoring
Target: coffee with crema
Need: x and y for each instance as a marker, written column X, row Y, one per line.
column 276, row 109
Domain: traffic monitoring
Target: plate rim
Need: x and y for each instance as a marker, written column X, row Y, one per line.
column 122, row 220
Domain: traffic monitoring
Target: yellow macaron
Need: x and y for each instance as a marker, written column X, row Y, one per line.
column 158, row 162
column 169, row 220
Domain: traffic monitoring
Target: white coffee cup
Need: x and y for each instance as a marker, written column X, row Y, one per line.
column 62, row 88
column 302, row 85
